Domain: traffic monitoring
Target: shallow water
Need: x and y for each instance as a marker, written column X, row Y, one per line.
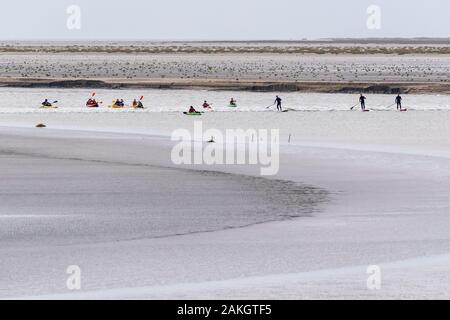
column 88, row 193
column 21, row 100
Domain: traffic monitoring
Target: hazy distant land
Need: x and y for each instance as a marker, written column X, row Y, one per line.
column 341, row 65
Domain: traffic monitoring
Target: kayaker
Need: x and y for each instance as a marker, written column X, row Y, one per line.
column 140, row 105
column 119, row 103
column 135, row 103
column 278, row 101
column 92, row 103
column 192, row 110
column 398, row 101
column 206, row 105
column 233, row 102
column 362, row 100
column 46, row 103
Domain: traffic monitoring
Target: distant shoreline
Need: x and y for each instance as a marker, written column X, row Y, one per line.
column 234, row 85
column 326, row 66
column 389, row 46
column 216, row 48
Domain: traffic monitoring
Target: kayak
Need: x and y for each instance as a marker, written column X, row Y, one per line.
column 92, row 106
column 193, row 113
column 232, row 106
column 116, row 107
column 48, row 107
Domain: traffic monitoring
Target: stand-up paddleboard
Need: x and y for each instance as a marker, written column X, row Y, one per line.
column 403, row 110
column 193, row 113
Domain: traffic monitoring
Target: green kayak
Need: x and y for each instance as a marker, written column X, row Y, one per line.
column 193, row 113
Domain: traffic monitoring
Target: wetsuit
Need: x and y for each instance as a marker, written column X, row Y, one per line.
column 278, row 102
column 398, row 101
column 362, row 99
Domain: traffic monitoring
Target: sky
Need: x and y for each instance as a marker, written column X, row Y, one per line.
column 222, row 19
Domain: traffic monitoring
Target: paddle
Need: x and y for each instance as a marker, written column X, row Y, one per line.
column 354, row 106
column 391, row 105
column 270, row 106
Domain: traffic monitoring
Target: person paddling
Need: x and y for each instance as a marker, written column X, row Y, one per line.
column 46, row 103
column 362, row 100
column 92, row 103
column 278, row 101
column 233, row 102
column 192, row 110
column 139, row 105
column 398, row 101
column 206, row 105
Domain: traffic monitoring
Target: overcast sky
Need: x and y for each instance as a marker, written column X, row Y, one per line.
column 222, row 19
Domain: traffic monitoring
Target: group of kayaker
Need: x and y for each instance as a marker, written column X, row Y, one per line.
column 137, row 104
column 208, row 106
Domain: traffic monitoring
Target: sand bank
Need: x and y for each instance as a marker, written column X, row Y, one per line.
column 386, row 174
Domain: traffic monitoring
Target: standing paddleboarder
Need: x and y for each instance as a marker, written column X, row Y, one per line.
column 278, row 101
column 398, row 101
column 362, row 100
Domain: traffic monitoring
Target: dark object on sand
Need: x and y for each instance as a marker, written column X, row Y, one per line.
column 41, row 125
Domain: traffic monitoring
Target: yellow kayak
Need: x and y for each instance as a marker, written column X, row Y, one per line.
column 49, row 107
column 116, row 107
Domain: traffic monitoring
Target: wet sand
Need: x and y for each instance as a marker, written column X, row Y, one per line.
column 387, row 205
